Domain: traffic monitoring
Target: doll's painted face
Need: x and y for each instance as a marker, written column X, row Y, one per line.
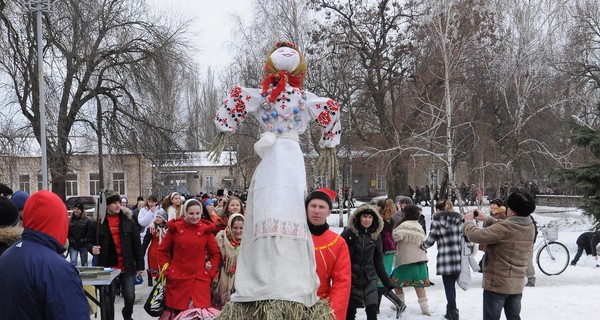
column 285, row 58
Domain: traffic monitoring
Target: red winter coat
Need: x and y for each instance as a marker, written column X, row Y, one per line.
column 333, row 269
column 187, row 278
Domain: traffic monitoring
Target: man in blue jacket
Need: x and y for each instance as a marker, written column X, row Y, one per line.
column 36, row 281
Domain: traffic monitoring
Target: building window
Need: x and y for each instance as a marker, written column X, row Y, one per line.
column 40, row 185
column 71, row 185
column 119, row 182
column 94, row 184
column 24, row 183
column 381, row 181
column 208, row 182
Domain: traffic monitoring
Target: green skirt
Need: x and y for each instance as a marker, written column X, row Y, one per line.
column 411, row 275
column 388, row 263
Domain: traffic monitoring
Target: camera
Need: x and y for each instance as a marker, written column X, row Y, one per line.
column 475, row 213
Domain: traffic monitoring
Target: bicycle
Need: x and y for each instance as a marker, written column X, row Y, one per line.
column 552, row 256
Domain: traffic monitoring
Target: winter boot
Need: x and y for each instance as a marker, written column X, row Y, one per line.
column 424, row 306
column 401, row 297
column 452, row 314
column 149, row 279
column 400, row 306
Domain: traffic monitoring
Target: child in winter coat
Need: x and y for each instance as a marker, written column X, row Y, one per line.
column 154, row 236
column 366, row 258
column 229, row 241
column 410, row 264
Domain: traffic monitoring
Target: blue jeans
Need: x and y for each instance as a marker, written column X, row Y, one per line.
column 127, row 292
column 450, row 290
column 82, row 252
column 493, row 303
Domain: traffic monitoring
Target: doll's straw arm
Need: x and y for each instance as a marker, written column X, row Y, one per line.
column 216, row 147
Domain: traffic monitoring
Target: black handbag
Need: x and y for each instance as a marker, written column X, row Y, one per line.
column 155, row 303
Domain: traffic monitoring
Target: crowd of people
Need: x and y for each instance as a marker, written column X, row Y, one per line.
column 196, row 244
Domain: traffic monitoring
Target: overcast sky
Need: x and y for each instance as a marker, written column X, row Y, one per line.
column 211, row 28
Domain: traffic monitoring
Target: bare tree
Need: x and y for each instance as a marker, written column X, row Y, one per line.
column 113, row 49
column 528, row 93
column 370, row 40
column 451, row 41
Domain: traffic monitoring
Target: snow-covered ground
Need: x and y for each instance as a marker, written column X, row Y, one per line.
column 570, row 295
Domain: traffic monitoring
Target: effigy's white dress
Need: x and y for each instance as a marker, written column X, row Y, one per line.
column 276, row 259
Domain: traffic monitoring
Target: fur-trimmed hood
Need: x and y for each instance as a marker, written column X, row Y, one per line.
column 127, row 212
column 10, row 235
column 374, row 230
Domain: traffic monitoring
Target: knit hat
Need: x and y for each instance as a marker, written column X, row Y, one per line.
column 324, row 194
column 46, row 212
column 9, row 213
column 209, row 201
column 161, row 213
column 19, row 198
column 79, row 206
column 124, row 200
column 112, row 196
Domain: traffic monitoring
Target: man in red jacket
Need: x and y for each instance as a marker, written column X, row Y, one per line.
column 331, row 253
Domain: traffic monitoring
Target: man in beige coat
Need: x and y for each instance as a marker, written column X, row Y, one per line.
column 509, row 244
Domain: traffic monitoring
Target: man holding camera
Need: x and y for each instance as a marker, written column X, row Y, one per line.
column 509, row 244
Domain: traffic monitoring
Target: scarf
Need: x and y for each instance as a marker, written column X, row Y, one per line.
column 317, row 230
column 159, row 230
column 233, row 240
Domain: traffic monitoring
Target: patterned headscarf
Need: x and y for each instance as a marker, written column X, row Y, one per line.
column 233, row 240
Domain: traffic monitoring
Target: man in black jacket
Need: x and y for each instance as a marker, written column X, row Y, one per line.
column 118, row 246
column 587, row 241
column 78, row 227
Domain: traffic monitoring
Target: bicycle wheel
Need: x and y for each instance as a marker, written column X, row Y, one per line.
column 553, row 258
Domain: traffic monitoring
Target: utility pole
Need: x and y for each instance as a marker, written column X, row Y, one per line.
column 41, row 6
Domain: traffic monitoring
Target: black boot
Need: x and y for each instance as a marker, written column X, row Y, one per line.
column 452, row 314
column 149, row 279
column 379, row 295
column 400, row 306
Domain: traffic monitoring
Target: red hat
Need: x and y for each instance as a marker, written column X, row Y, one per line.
column 45, row 212
column 324, row 194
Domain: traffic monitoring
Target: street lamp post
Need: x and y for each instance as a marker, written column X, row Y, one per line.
column 41, row 6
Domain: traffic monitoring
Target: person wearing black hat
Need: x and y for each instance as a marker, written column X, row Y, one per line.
column 119, row 247
column 78, row 227
column 331, row 253
column 509, row 247
column 9, row 231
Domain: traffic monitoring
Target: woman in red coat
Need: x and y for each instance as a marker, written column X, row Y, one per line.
column 187, row 246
